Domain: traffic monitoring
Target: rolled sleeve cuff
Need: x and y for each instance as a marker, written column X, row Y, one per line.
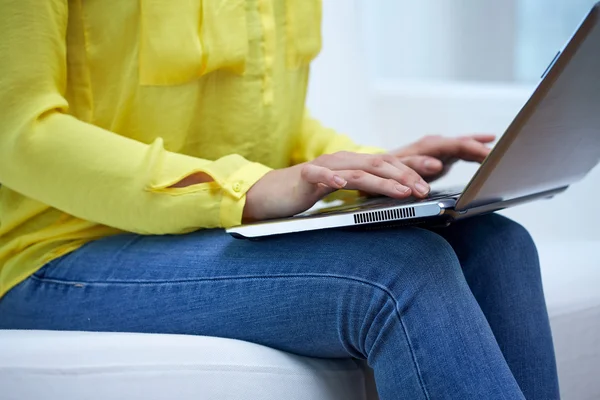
column 235, row 187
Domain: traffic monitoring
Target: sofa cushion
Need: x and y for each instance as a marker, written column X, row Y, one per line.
column 86, row 365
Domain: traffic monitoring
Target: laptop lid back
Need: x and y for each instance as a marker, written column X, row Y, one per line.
column 555, row 139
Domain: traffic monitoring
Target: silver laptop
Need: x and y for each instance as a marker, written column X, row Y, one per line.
column 553, row 142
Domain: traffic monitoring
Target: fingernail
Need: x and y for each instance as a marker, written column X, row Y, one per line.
column 402, row 189
column 341, row 182
column 430, row 164
column 422, row 187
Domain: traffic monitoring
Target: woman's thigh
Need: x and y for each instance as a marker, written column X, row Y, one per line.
column 395, row 297
column 208, row 283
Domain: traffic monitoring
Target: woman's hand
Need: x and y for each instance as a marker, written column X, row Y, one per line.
column 289, row 191
column 432, row 156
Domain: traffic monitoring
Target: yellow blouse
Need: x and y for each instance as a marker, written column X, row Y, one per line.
column 106, row 104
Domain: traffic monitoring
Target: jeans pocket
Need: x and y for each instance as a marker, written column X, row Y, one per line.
column 51, row 265
column 41, row 273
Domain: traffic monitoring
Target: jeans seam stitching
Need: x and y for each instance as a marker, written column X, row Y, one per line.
column 219, row 278
column 363, row 281
column 412, row 351
column 398, row 315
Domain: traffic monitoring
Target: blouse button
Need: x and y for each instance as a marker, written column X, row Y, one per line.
column 237, row 187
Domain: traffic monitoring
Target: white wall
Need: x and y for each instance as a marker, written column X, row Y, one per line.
column 338, row 90
column 433, row 39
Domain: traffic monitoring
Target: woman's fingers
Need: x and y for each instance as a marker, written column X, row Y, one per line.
column 424, row 165
column 382, row 165
column 407, row 177
column 369, row 183
column 318, row 175
column 481, row 137
column 327, row 180
column 302, row 185
column 465, row 148
column 469, row 149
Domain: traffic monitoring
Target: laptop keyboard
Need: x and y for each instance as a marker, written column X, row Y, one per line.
column 433, row 195
column 446, row 192
column 379, row 202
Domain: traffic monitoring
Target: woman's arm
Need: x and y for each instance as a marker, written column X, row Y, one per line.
column 83, row 170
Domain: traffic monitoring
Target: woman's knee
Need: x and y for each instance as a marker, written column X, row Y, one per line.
column 500, row 232
column 409, row 268
column 515, row 251
column 505, row 231
column 401, row 258
column 393, row 273
column 498, row 245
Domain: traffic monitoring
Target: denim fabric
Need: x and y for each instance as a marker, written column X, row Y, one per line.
column 454, row 314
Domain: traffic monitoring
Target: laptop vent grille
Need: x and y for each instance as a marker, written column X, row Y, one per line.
column 385, row 215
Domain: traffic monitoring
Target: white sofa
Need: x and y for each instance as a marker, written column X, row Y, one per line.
column 96, row 366
column 49, row 365
column 571, row 274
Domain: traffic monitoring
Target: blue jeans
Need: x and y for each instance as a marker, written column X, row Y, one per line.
column 454, row 314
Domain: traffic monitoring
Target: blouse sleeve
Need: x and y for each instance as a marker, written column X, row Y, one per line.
column 89, row 172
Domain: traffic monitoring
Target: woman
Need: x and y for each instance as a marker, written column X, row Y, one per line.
column 131, row 126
